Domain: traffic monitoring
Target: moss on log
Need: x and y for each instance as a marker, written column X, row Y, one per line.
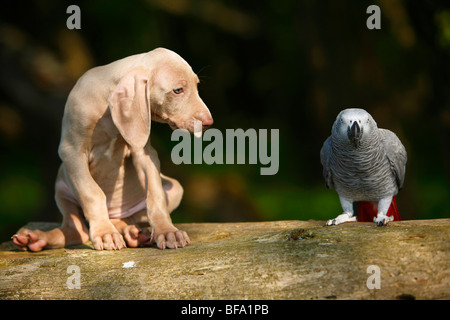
column 263, row 260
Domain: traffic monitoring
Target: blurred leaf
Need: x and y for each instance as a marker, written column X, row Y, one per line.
column 292, row 202
column 20, row 198
column 443, row 22
column 434, row 197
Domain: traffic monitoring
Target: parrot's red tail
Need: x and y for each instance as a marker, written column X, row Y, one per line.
column 368, row 210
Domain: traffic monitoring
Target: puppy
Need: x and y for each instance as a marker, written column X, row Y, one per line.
column 110, row 174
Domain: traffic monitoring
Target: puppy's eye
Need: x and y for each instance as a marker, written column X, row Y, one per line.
column 178, row 91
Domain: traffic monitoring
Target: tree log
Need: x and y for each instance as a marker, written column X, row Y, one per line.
column 256, row 260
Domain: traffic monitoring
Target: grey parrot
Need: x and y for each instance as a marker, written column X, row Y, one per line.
column 364, row 164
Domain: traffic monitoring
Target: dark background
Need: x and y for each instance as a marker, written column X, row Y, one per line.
column 287, row 65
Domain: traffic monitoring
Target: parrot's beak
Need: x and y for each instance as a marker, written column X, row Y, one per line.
column 354, row 134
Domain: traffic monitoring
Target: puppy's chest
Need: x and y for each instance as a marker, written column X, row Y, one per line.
column 109, row 158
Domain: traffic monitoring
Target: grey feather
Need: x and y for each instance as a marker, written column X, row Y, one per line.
column 325, row 160
column 396, row 153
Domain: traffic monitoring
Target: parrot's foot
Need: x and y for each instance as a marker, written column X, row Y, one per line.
column 382, row 220
column 345, row 217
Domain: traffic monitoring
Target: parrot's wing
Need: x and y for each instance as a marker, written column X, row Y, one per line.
column 396, row 153
column 325, row 154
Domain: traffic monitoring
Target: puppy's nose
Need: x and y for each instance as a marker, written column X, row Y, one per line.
column 207, row 121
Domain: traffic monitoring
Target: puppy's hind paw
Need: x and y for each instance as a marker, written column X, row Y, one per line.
column 27, row 239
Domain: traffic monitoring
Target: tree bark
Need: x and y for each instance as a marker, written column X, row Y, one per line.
column 262, row 260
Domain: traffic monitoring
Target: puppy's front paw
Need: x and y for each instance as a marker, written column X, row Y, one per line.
column 106, row 238
column 172, row 238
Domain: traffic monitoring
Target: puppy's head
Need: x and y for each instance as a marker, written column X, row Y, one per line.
column 174, row 97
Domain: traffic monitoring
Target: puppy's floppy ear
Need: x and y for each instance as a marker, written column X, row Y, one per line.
column 129, row 103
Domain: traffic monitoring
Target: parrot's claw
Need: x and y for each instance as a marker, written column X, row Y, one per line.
column 382, row 220
column 345, row 217
column 331, row 222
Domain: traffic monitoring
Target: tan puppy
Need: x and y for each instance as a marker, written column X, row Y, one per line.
column 110, row 173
